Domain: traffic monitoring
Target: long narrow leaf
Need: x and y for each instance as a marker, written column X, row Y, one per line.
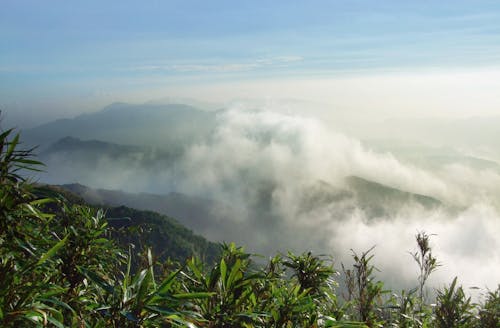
column 234, row 272
column 165, row 285
column 12, row 146
column 151, row 268
column 184, row 296
column 223, row 272
column 51, row 252
column 5, row 134
column 143, row 282
column 57, row 302
column 98, row 280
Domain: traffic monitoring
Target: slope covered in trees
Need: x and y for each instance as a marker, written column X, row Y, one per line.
column 167, row 238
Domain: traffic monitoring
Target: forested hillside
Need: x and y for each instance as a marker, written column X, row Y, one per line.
column 167, row 238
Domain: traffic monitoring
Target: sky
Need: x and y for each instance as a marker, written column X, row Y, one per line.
column 60, row 58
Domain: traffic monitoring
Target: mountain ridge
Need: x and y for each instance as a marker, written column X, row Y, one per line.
column 164, row 125
column 164, row 234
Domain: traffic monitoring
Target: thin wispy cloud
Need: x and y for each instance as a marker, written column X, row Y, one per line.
column 280, row 61
column 43, row 48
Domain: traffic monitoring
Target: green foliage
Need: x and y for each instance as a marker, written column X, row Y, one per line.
column 136, row 300
column 411, row 308
column 230, row 282
column 363, row 292
column 489, row 314
column 63, row 264
column 164, row 235
column 453, row 308
column 427, row 263
column 311, row 273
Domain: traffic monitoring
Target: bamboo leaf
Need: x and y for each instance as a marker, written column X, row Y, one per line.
column 12, row 146
column 5, row 134
column 161, row 310
column 97, row 279
column 29, row 161
column 143, row 283
column 234, row 272
column 151, row 268
column 167, row 283
column 223, row 272
column 51, row 252
column 41, row 201
column 55, row 322
column 183, row 296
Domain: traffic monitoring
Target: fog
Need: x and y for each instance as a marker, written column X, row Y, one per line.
column 282, row 180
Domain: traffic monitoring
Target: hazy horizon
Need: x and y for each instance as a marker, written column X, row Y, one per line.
column 384, row 59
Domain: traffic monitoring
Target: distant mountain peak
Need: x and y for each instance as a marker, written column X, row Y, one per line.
column 377, row 198
column 164, row 125
column 140, row 108
column 72, row 144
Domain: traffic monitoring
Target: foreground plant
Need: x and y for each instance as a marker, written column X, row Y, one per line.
column 453, row 308
column 427, row 263
column 230, row 285
column 489, row 314
column 364, row 293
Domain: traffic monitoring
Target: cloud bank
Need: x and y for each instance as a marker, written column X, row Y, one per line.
column 282, row 182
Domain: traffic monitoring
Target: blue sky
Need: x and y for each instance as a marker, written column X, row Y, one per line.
column 85, row 53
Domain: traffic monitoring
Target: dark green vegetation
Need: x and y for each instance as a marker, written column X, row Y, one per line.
column 166, row 237
column 61, row 265
column 194, row 212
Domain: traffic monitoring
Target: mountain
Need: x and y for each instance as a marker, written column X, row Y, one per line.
column 171, row 125
column 101, row 163
column 90, row 150
column 69, row 144
column 166, row 236
column 74, row 151
column 215, row 220
column 193, row 212
column 379, row 200
column 376, row 200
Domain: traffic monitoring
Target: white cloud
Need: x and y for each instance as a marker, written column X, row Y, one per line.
column 255, row 150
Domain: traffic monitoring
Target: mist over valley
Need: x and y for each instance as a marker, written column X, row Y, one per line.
column 277, row 181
